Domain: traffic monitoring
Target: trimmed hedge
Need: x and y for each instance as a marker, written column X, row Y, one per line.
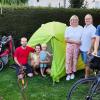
column 24, row 21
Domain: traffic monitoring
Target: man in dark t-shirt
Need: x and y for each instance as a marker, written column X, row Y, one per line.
column 97, row 41
column 21, row 58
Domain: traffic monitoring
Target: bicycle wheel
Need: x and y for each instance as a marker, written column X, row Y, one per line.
column 1, row 65
column 81, row 90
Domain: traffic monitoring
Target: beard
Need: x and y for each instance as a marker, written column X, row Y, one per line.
column 24, row 45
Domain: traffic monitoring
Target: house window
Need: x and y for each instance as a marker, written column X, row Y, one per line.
column 37, row 0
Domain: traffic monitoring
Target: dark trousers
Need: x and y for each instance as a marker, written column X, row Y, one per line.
column 27, row 70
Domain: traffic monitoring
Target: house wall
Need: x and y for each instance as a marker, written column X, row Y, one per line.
column 48, row 3
column 93, row 3
column 61, row 3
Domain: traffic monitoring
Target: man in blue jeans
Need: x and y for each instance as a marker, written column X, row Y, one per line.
column 87, row 41
column 96, row 45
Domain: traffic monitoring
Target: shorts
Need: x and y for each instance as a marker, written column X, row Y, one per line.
column 84, row 56
column 43, row 65
column 27, row 70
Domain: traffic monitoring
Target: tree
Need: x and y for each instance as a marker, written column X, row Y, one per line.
column 9, row 2
column 76, row 3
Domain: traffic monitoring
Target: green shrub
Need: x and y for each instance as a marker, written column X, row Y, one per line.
column 24, row 21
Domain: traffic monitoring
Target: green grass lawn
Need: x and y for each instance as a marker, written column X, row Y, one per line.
column 38, row 88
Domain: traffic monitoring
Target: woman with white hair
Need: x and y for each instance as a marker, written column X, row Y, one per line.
column 73, row 35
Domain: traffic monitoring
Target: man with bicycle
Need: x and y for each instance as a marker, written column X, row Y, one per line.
column 21, row 59
column 87, row 41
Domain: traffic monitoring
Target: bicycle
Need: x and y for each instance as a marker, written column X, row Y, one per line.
column 87, row 89
column 22, row 83
column 6, row 50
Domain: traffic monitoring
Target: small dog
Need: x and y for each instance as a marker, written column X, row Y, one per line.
column 94, row 62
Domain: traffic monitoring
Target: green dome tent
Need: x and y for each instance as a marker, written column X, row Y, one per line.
column 53, row 32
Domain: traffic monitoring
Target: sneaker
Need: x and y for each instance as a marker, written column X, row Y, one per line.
column 43, row 75
column 68, row 77
column 72, row 76
column 36, row 73
column 30, row 75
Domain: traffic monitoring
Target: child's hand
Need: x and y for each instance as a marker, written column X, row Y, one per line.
column 42, row 62
column 51, row 54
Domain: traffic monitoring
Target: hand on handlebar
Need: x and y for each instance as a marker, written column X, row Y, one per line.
column 89, row 51
column 94, row 53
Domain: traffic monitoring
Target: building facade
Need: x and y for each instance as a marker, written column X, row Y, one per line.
column 49, row 3
column 92, row 3
column 62, row 3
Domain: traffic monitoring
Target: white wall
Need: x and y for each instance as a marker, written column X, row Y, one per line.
column 97, row 4
column 93, row 3
column 57, row 3
column 46, row 3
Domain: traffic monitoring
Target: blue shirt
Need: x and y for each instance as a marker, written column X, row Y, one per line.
column 98, row 30
column 43, row 55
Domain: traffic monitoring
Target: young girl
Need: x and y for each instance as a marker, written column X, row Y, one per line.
column 44, row 60
column 35, row 59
